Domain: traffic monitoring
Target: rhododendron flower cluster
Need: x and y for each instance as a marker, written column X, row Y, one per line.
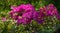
column 25, row 13
column 49, row 10
column 22, row 13
column 52, row 10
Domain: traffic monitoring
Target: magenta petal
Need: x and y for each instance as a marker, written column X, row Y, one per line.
column 27, row 15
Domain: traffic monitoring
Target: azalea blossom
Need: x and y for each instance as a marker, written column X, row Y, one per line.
column 22, row 13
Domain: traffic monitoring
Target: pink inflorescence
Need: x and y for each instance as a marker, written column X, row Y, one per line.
column 3, row 19
column 24, row 13
column 52, row 10
column 49, row 10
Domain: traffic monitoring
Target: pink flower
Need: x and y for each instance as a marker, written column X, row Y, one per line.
column 52, row 10
column 22, row 13
column 3, row 19
column 49, row 10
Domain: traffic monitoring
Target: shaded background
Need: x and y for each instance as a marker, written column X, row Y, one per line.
column 5, row 4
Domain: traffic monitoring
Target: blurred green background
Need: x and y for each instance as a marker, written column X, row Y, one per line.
column 5, row 4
